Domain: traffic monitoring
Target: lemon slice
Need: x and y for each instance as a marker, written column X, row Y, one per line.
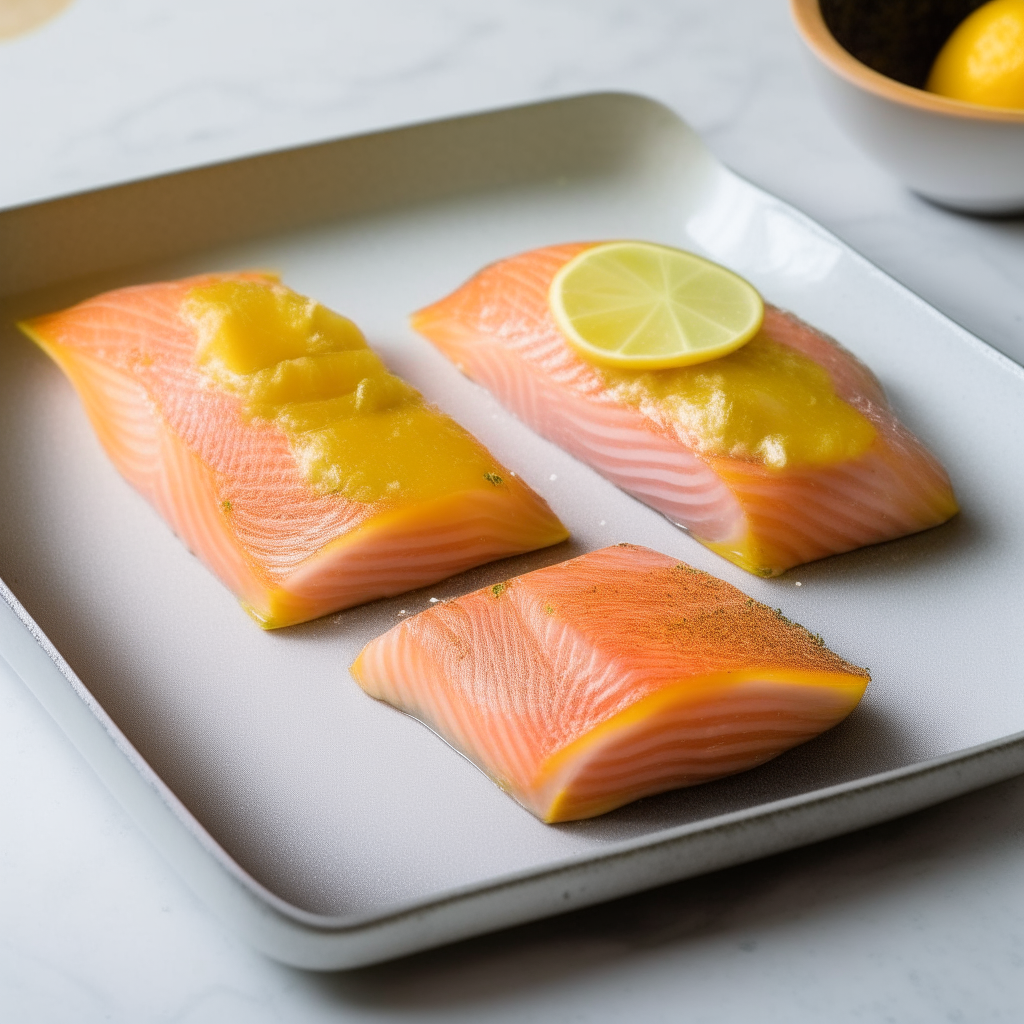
column 647, row 307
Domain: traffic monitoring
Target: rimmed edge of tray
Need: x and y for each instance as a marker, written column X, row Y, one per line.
column 323, row 942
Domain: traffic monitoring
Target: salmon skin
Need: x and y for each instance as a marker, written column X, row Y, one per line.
column 228, row 480
column 623, row 673
column 749, row 502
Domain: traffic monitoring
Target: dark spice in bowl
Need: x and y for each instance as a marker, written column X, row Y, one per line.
column 898, row 38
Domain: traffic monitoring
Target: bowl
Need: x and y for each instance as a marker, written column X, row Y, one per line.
column 871, row 61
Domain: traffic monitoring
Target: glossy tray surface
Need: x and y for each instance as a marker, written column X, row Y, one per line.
column 337, row 830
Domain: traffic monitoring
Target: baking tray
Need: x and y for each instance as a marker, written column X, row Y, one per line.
column 332, row 830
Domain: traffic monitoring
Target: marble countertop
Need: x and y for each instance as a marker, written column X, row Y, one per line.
column 918, row 920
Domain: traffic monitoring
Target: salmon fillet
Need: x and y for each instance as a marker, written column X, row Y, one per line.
column 762, row 514
column 229, row 485
column 586, row 685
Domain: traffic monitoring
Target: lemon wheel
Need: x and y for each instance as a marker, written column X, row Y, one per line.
column 644, row 306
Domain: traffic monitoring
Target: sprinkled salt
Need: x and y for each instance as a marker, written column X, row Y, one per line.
column 798, row 583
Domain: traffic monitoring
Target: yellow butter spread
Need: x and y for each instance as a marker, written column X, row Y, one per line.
column 354, row 428
column 764, row 403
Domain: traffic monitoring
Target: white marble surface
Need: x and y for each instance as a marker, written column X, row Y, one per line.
column 919, row 920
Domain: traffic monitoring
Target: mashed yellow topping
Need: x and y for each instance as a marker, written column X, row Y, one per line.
column 355, row 429
column 764, row 403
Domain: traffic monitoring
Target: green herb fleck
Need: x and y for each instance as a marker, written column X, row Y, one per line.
column 226, row 505
column 498, row 589
column 493, row 478
column 548, row 610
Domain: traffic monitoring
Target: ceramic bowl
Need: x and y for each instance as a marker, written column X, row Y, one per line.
column 871, row 60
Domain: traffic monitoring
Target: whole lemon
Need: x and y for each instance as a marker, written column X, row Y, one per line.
column 983, row 60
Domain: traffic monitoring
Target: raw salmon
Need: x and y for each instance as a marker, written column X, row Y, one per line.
column 622, row 673
column 248, row 487
column 685, row 444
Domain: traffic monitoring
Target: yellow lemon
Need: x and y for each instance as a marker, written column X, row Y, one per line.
column 983, row 60
column 647, row 307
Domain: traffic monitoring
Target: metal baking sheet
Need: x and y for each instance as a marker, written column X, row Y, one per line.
column 331, row 829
